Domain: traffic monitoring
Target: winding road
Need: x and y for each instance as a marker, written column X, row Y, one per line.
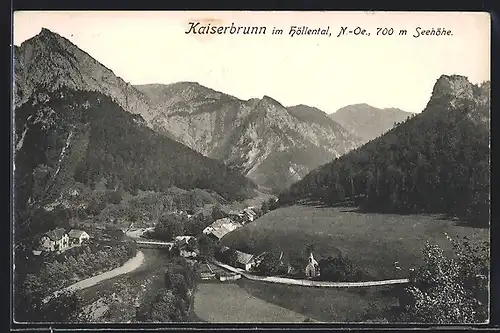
column 129, row 266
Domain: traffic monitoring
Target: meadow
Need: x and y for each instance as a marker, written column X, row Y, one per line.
column 228, row 303
column 328, row 304
column 382, row 246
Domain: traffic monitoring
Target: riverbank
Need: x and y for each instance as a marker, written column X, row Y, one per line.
column 129, row 266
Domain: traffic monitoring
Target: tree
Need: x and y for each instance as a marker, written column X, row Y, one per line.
column 273, row 203
column 337, row 268
column 164, row 308
column 191, row 245
column 264, row 207
column 270, row 264
column 115, row 197
column 448, row 290
column 228, row 255
column 217, row 212
column 207, row 247
column 168, row 227
column 297, row 259
column 67, row 307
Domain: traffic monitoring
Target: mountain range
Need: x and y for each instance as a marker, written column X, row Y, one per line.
column 368, row 122
column 271, row 144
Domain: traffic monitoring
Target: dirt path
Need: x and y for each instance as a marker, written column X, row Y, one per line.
column 131, row 265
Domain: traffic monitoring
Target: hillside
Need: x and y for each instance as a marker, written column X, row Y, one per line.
column 437, row 161
column 368, row 122
column 273, row 145
column 374, row 242
column 69, row 136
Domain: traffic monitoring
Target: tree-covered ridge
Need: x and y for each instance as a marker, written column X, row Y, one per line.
column 70, row 135
column 434, row 162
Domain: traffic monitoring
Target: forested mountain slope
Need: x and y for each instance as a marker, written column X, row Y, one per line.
column 67, row 136
column 437, row 161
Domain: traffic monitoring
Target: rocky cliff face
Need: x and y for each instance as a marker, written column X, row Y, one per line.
column 273, row 145
column 368, row 122
column 49, row 61
column 455, row 94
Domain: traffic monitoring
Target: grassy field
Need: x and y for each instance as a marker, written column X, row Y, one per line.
column 325, row 304
column 228, row 303
column 374, row 242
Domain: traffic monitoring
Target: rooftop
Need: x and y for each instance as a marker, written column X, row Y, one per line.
column 74, row 233
column 243, row 258
column 219, row 233
column 56, row 234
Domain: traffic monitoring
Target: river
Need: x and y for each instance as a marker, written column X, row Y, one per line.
column 115, row 299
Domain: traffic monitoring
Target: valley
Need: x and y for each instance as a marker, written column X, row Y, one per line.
column 251, row 187
column 329, row 230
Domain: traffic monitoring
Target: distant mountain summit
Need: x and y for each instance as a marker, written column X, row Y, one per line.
column 51, row 61
column 368, row 122
column 272, row 144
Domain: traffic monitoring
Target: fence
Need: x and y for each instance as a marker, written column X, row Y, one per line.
column 230, row 278
column 311, row 283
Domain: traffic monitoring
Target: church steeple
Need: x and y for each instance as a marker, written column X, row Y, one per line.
column 311, row 259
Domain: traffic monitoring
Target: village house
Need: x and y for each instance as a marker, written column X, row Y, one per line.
column 187, row 246
column 236, row 216
column 189, row 254
column 55, row 240
column 78, row 236
column 219, row 233
column 221, row 227
column 312, row 268
column 244, row 260
column 250, row 214
column 183, row 240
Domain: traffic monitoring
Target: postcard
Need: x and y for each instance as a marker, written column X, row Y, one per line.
column 251, row 167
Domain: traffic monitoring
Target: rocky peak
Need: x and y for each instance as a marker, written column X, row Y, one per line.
column 455, row 94
column 454, row 87
column 52, row 61
column 269, row 102
column 47, row 32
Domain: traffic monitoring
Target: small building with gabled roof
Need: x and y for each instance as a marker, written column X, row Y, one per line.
column 78, row 236
column 244, row 260
column 55, row 240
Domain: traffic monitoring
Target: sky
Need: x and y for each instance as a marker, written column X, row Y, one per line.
column 327, row 72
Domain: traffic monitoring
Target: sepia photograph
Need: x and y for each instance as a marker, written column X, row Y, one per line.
column 250, row 167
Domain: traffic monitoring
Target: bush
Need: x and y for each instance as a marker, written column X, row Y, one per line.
column 59, row 272
column 174, row 301
column 448, row 290
column 271, row 264
column 337, row 269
